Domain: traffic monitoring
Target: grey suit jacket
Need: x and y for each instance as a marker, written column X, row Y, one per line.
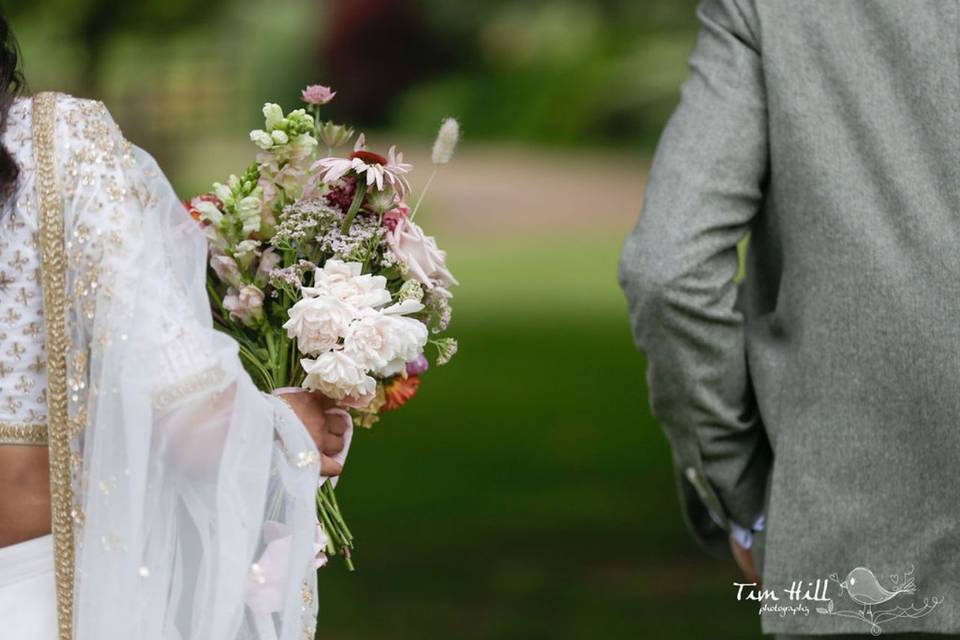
column 824, row 389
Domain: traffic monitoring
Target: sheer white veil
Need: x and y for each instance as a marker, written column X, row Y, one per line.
column 183, row 474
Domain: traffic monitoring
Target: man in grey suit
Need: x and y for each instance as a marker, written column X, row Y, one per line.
column 814, row 408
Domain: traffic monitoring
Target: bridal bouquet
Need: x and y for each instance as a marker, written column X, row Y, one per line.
column 320, row 273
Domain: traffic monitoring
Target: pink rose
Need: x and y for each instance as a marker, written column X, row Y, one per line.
column 317, row 94
column 419, row 252
column 391, row 217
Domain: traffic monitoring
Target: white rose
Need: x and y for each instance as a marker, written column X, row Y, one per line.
column 419, row 252
column 318, row 323
column 339, row 270
column 344, row 281
column 368, row 340
column 337, row 376
column 365, row 291
column 333, row 274
column 406, row 339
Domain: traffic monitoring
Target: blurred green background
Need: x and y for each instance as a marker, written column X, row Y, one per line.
column 526, row 493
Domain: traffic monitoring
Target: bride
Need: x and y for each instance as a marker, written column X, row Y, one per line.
column 147, row 489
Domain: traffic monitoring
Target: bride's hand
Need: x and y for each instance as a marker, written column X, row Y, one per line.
column 326, row 429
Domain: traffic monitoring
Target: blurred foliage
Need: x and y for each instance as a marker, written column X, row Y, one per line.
column 547, row 71
column 172, row 72
column 90, row 24
column 557, row 72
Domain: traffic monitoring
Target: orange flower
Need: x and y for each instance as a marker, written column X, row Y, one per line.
column 399, row 391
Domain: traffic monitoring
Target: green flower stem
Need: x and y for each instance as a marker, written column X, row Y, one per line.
column 282, row 367
column 332, row 497
column 426, row 187
column 271, row 349
column 254, row 362
column 332, row 536
column 315, row 112
column 337, row 521
column 338, row 544
column 355, row 205
column 325, row 492
column 294, row 363
column 212, row 292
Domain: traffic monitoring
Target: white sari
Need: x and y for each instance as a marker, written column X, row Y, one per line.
column 170, row 472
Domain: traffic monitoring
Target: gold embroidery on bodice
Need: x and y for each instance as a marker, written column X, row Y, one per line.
column 23, row 375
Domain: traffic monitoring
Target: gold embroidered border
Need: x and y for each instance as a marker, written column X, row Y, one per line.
column 23, row 433
column 189, row 386
column 54, row 312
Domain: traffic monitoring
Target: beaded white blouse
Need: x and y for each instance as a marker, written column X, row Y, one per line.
column 23, row 379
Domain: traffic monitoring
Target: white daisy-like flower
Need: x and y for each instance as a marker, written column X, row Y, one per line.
column 376, row 169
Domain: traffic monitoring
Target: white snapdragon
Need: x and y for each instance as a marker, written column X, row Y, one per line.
column 261, row 138
column 272, row 115
column 209, row 212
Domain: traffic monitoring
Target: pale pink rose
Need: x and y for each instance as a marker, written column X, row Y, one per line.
column 337, row 376
column 317, row 94
column 318, row 323
column 343, row 280
column 419, row 252
column 406, row 339
column 371, row 339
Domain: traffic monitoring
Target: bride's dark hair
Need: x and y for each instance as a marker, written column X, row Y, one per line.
column 11, row 85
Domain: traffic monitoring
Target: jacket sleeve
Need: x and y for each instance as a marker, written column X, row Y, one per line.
column 678, row 271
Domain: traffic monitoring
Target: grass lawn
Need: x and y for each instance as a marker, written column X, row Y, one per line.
column 526, row 493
